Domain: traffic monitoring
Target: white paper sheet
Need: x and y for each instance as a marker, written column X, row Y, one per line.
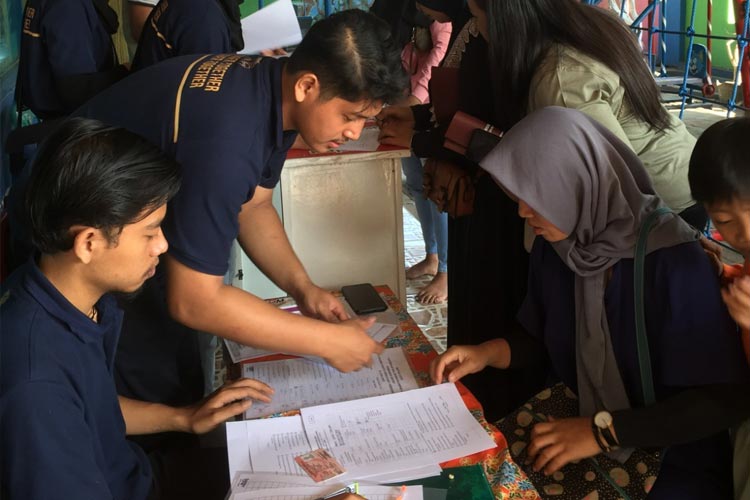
column 403, row 476
column 313, row 493
column 386, row 322
column 368, row 140
column 251, row 481
column 385, row 434
column 273, row 444
column 238, row 352
column 271, row 27
column 238, row 448
column 300, row 382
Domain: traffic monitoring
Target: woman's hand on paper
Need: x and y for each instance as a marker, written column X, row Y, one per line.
column 559, row 442
column 457, row 362
column 226, row 402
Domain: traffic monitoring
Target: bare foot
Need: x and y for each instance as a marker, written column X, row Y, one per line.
column 428, row 266
column 436, row 292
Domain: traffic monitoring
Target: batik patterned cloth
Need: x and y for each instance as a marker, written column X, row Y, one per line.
column 507, row 480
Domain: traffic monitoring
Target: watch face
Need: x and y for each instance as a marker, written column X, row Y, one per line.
column 603, row 419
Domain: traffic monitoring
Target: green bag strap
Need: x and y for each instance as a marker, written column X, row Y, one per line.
column 644, row 355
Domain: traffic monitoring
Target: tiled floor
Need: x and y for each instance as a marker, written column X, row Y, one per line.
column 433, row 318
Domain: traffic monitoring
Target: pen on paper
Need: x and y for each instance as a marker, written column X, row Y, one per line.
column 347, row 489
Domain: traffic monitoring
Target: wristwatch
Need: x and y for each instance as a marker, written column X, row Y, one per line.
column 604, row 431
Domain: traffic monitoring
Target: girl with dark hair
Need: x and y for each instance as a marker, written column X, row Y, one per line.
column 565, row 53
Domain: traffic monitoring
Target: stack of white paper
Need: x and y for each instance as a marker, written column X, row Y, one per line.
column 300, row 382
column 265, row 486
column 238, row 352
column 386, row 323
column 389, row 438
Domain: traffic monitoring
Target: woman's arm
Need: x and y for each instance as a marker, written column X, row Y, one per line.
column 441, row 35
column 692, row 414
column 515, row 350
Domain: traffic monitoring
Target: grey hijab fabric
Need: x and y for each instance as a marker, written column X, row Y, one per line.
column 580, row 177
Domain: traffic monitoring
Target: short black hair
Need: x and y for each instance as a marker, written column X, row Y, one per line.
column 90, row 174
column 354, row 56
column 720, row 164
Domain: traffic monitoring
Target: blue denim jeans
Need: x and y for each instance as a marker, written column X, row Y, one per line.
column 434, row 223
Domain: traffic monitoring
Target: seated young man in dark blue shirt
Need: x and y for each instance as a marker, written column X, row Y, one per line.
column 67, row 54
column 95, row 203
column 229, row 121
column 184, row 27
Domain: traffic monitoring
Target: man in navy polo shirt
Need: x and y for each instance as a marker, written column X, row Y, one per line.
column 95, row 202
column 229, row 121
column 182, row 27
column 67, row 54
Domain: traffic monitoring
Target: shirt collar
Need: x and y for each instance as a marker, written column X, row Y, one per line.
column 281, row 139
column 277, row 68
column 51, row 300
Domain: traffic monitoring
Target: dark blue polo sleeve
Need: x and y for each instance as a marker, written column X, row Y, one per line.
column 204, row 32
column 272, row 171
column 70, row 38
column 47, row 446
column 202, row 220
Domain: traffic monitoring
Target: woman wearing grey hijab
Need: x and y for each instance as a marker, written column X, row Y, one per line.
column 586, row 194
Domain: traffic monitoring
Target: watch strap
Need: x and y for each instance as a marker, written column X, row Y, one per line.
column 599, row 437
column 609, row 437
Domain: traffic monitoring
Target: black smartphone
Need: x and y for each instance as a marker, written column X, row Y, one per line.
column 363, row 298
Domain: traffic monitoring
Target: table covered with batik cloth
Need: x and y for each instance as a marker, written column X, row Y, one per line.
column 507, row 480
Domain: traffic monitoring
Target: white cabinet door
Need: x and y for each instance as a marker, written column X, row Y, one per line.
column 343, row 217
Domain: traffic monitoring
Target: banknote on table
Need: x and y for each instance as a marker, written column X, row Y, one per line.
column 319, row 465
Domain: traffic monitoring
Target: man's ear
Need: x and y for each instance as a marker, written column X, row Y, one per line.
column 86, row 242
column 306, row 87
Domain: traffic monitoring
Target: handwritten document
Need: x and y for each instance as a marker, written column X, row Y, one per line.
column 383, row 434
column 390, row 438
column 274, row 442
column 300, row 382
